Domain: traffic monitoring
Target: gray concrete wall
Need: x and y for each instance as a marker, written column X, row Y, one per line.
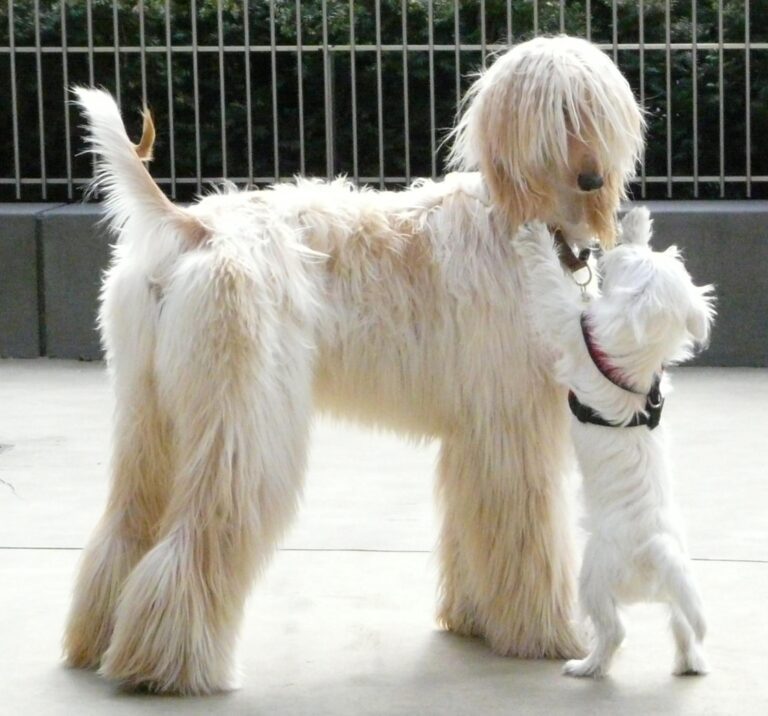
column 52, row 258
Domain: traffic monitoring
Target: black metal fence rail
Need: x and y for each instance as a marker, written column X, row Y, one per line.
column 255, row 92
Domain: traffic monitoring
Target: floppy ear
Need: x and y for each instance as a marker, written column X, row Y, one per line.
column 516, row 196
column 701, row 314
column 636, row 227
column 503, row 133
column 601, row 211
column 502, row 130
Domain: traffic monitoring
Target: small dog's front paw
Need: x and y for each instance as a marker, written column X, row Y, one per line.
column 534, row 232
column 691, row 663
column 584, row 667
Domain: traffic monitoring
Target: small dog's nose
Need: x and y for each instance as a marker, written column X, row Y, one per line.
column 589, row 182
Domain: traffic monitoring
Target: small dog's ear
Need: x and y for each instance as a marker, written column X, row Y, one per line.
column 636, row 227
column 701, row 314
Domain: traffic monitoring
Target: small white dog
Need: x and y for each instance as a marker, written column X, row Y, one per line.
column 611, row 353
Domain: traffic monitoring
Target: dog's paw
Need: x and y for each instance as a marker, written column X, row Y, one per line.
column 636, row 227
column 691, row 663
column 584, row 667
column 534, row 233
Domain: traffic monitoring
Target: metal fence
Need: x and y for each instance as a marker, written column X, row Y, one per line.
column 255, row 92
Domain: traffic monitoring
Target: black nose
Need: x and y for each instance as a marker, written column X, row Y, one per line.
column 589, row 182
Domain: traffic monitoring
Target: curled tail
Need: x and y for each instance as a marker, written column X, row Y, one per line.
column 120, row 176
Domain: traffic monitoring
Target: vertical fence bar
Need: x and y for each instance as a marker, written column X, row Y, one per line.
column 615, row 30
column 143, row 54
column 65, row 104
column 14, row 100
column 589, row 20
column 748, row 98
column 40, row 107
column 327, row 97
column 695, row 95
column 353, row 82
column 641, row 62
column 89, row 30
column 668, row 70
column 89, row 40
column 406, row 109
column 273, row 62
column 196, row 97
column 509, row 22
column 457, row 51
column 379, row 92
column 248, row 99
column 116, row 50
column 721, row 95
column 562, row 15
column 222, row 89
column 535, row 17
column 169, row 86
column 299, row 85
column 483, row 40
column 431, row 51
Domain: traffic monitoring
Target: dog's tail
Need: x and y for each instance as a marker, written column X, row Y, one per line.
column 120, row 175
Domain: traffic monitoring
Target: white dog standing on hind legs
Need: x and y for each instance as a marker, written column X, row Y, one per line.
column 611, row 351
column 227, row 322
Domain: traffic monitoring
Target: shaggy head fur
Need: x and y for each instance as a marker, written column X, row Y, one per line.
column 555, row 130
column 649, row 303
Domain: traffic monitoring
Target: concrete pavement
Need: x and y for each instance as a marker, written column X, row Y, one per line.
column 343, row 622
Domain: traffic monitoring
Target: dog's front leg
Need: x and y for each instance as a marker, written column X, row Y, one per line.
column 597, row 587
column 552, row 295
column 505, row 546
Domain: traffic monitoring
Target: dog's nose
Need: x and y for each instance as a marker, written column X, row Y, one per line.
column 589, row 182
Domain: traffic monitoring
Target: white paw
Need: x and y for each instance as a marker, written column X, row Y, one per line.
column 584, row 667
column 691, row 663
column 535, row 232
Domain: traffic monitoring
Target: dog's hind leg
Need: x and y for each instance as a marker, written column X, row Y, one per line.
column 234, row 370
column 689, row 656
column 505, row 543
column 687, row 617
column 140, row 467
column 597, row 589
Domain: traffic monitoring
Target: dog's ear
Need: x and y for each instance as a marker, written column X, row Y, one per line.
column 636, row 227
column 701, row 314
column 514, row 195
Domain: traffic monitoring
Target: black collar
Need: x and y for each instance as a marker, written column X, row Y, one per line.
column 654, row 401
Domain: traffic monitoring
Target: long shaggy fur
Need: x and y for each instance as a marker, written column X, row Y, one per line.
column 649, row 315
column 538, row 112
column 227, row 322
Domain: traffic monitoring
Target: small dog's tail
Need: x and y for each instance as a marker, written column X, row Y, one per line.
column 120, row 175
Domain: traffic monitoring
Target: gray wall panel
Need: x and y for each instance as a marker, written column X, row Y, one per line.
column 19, row 307
column 725, row 243
column 75, row 254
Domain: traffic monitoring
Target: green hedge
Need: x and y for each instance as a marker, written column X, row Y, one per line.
column 548, row 18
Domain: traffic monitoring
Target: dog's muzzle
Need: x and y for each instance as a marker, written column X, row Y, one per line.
column 589, row 182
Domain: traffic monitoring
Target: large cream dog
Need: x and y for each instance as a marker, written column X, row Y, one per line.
column 227, row 323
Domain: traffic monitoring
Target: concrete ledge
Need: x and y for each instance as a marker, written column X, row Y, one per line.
column 75, row 252
column 19, row 263
column 725, row 243
column 52, row 258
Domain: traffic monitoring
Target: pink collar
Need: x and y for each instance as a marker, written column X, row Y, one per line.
column 602, row 361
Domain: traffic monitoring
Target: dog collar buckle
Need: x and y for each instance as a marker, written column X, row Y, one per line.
column 654, row 403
